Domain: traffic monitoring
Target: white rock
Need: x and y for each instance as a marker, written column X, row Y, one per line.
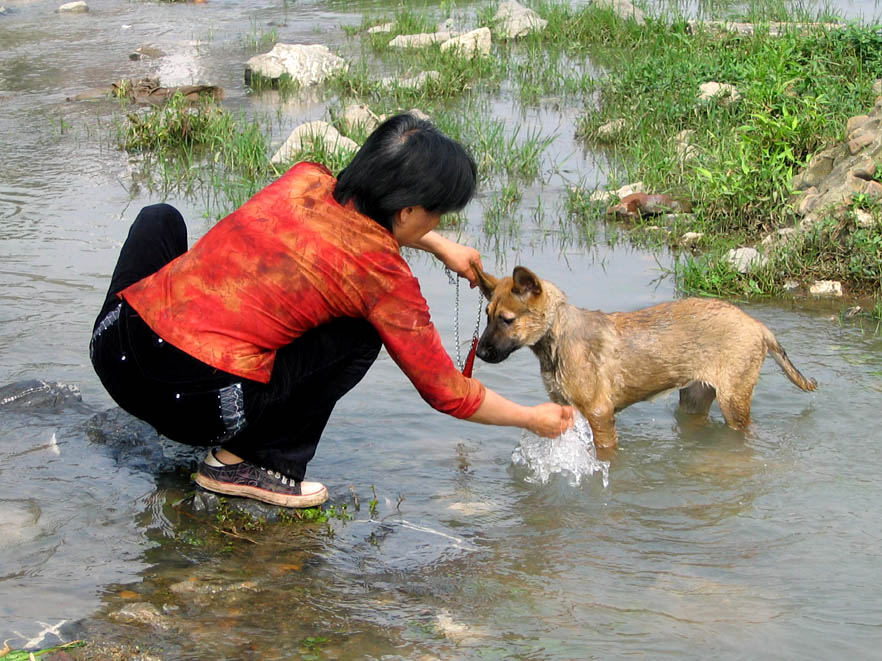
column 447, row 25
column 624, row 191
column 724, row 91
column 864, row 218
column 476, row 42
column 623, row 9
column 745, row 259
column 612, row 128
column 306, row 64
column 359, row 115
column 419, row 114
column 419, row 40
column 73, row 7
column 384, row 27
column 826, row 288
column 689, row 239
column 514, row 20
column 305, row 135
column 414, row 82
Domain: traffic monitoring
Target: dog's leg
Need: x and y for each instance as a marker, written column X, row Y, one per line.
column 696, row 398
column 736, row 392
column 601, row 417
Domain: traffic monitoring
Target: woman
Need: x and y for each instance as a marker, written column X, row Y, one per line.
column 247, row 340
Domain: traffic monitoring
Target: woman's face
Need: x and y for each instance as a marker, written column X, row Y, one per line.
column 413, row 223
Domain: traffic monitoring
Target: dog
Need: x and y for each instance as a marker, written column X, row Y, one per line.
column 601, row 363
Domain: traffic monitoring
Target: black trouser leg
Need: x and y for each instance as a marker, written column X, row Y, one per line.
column 287, row 416
column 157, row 236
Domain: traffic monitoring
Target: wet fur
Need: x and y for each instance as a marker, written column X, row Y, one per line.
column 601, row 363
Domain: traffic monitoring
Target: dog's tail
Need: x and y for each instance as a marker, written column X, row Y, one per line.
column 783, row 361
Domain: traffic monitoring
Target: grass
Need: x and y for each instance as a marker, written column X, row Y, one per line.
column 796, row 92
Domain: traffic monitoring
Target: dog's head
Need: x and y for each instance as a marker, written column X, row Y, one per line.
column 516, row 314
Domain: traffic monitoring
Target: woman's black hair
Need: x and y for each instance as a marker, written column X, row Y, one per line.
column 407, row 162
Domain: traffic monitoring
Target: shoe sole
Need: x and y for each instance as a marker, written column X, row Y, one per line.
column 283, row 500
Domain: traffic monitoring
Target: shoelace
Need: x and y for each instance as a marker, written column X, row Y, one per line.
column 284, row 479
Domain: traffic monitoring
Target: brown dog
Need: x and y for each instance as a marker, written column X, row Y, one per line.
column 600, row 363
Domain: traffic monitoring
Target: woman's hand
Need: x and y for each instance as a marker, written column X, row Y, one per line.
column 551, row 420
column 457, row 257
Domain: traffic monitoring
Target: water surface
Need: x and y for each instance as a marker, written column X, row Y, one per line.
column 707, row 542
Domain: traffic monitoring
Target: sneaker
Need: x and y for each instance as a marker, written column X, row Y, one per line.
column 246, row 479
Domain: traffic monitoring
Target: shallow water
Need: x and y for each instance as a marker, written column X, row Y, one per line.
column 706, row 542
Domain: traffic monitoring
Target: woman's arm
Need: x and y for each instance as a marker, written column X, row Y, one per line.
column 548, row 419
column 457, row 257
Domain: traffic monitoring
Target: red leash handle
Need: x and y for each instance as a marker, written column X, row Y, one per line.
column 470, row 359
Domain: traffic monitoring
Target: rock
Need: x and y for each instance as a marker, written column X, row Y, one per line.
column 790, row 285
column 855, row 122
column 470, row 44
column 683, row 144
column 745, row 260
column 447, row 25
column 143, row 613
column 135, row 444
column 819, row 168
column 305, row 134
column 513, row 20
column 305, row 64
column 690, row 239
column 722, row 91
column 146, row 52
column 74, row 7
column 611, row 129
column 624, row 191
column 638, row 205
column 211, row 587
column 877, row 86
column 809, row 201
column 415, row 82
column 781, row 235
column 36, row 394
column 382, row 28
column 859, row 139
column 872, row 189
column 826, row 288
column 419, row 40
column 864, row 219
column 358, row 116
column 623, row 9
column 419, row 114
column 863, row 167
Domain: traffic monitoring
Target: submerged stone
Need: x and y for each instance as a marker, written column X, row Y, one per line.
column 74, row 7
column 38, row 394
column 137, row 445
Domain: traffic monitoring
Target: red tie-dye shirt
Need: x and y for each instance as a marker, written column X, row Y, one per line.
column 291, row 259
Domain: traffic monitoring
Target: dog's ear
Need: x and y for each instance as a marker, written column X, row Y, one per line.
column 486, row 282
column 525, row 282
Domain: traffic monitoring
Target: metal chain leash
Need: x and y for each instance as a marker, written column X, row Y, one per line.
column 454, row 280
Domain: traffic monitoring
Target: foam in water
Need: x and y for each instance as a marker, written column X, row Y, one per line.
column 571, row 454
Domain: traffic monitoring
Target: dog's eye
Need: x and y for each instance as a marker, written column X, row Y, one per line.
column 508, row 321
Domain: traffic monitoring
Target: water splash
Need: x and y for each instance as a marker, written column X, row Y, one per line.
column 571, row 454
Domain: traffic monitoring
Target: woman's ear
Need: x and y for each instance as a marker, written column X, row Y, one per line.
column 402, row 216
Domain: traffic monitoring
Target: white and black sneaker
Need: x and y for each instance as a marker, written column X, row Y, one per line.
column 250, row 481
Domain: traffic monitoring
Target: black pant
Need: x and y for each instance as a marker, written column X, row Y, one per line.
column 276, row 425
